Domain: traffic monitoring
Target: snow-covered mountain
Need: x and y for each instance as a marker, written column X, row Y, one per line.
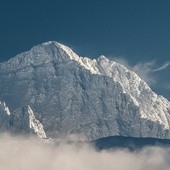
column 52, row 92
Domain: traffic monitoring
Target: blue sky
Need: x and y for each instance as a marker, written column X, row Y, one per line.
column 135, row 32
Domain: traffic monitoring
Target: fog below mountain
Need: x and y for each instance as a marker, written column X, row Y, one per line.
column 18, row 153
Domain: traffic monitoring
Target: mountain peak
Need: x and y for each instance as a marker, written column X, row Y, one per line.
column 40, row 54
column 59, row 46
column 102, row 57
column 74, row 94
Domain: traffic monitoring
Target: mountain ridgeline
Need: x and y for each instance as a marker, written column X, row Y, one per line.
column 52, row 92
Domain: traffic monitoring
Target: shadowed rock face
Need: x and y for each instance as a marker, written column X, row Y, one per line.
column 68, row 94
column 131, row 143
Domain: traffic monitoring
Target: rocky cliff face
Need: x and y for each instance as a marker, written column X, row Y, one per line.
column 53, row 92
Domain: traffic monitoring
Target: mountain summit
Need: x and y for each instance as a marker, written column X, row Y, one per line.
column 52, row 92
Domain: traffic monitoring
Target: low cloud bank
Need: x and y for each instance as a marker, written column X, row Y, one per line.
column 18, row 153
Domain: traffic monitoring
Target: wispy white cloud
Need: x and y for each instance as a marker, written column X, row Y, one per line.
column 146, row 70
column 168, row 85
column 143, row 69
column 24, row 154
column 163, row 67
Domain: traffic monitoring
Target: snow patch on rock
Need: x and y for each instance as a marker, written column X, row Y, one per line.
column 5, row 108
column 35, row 124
